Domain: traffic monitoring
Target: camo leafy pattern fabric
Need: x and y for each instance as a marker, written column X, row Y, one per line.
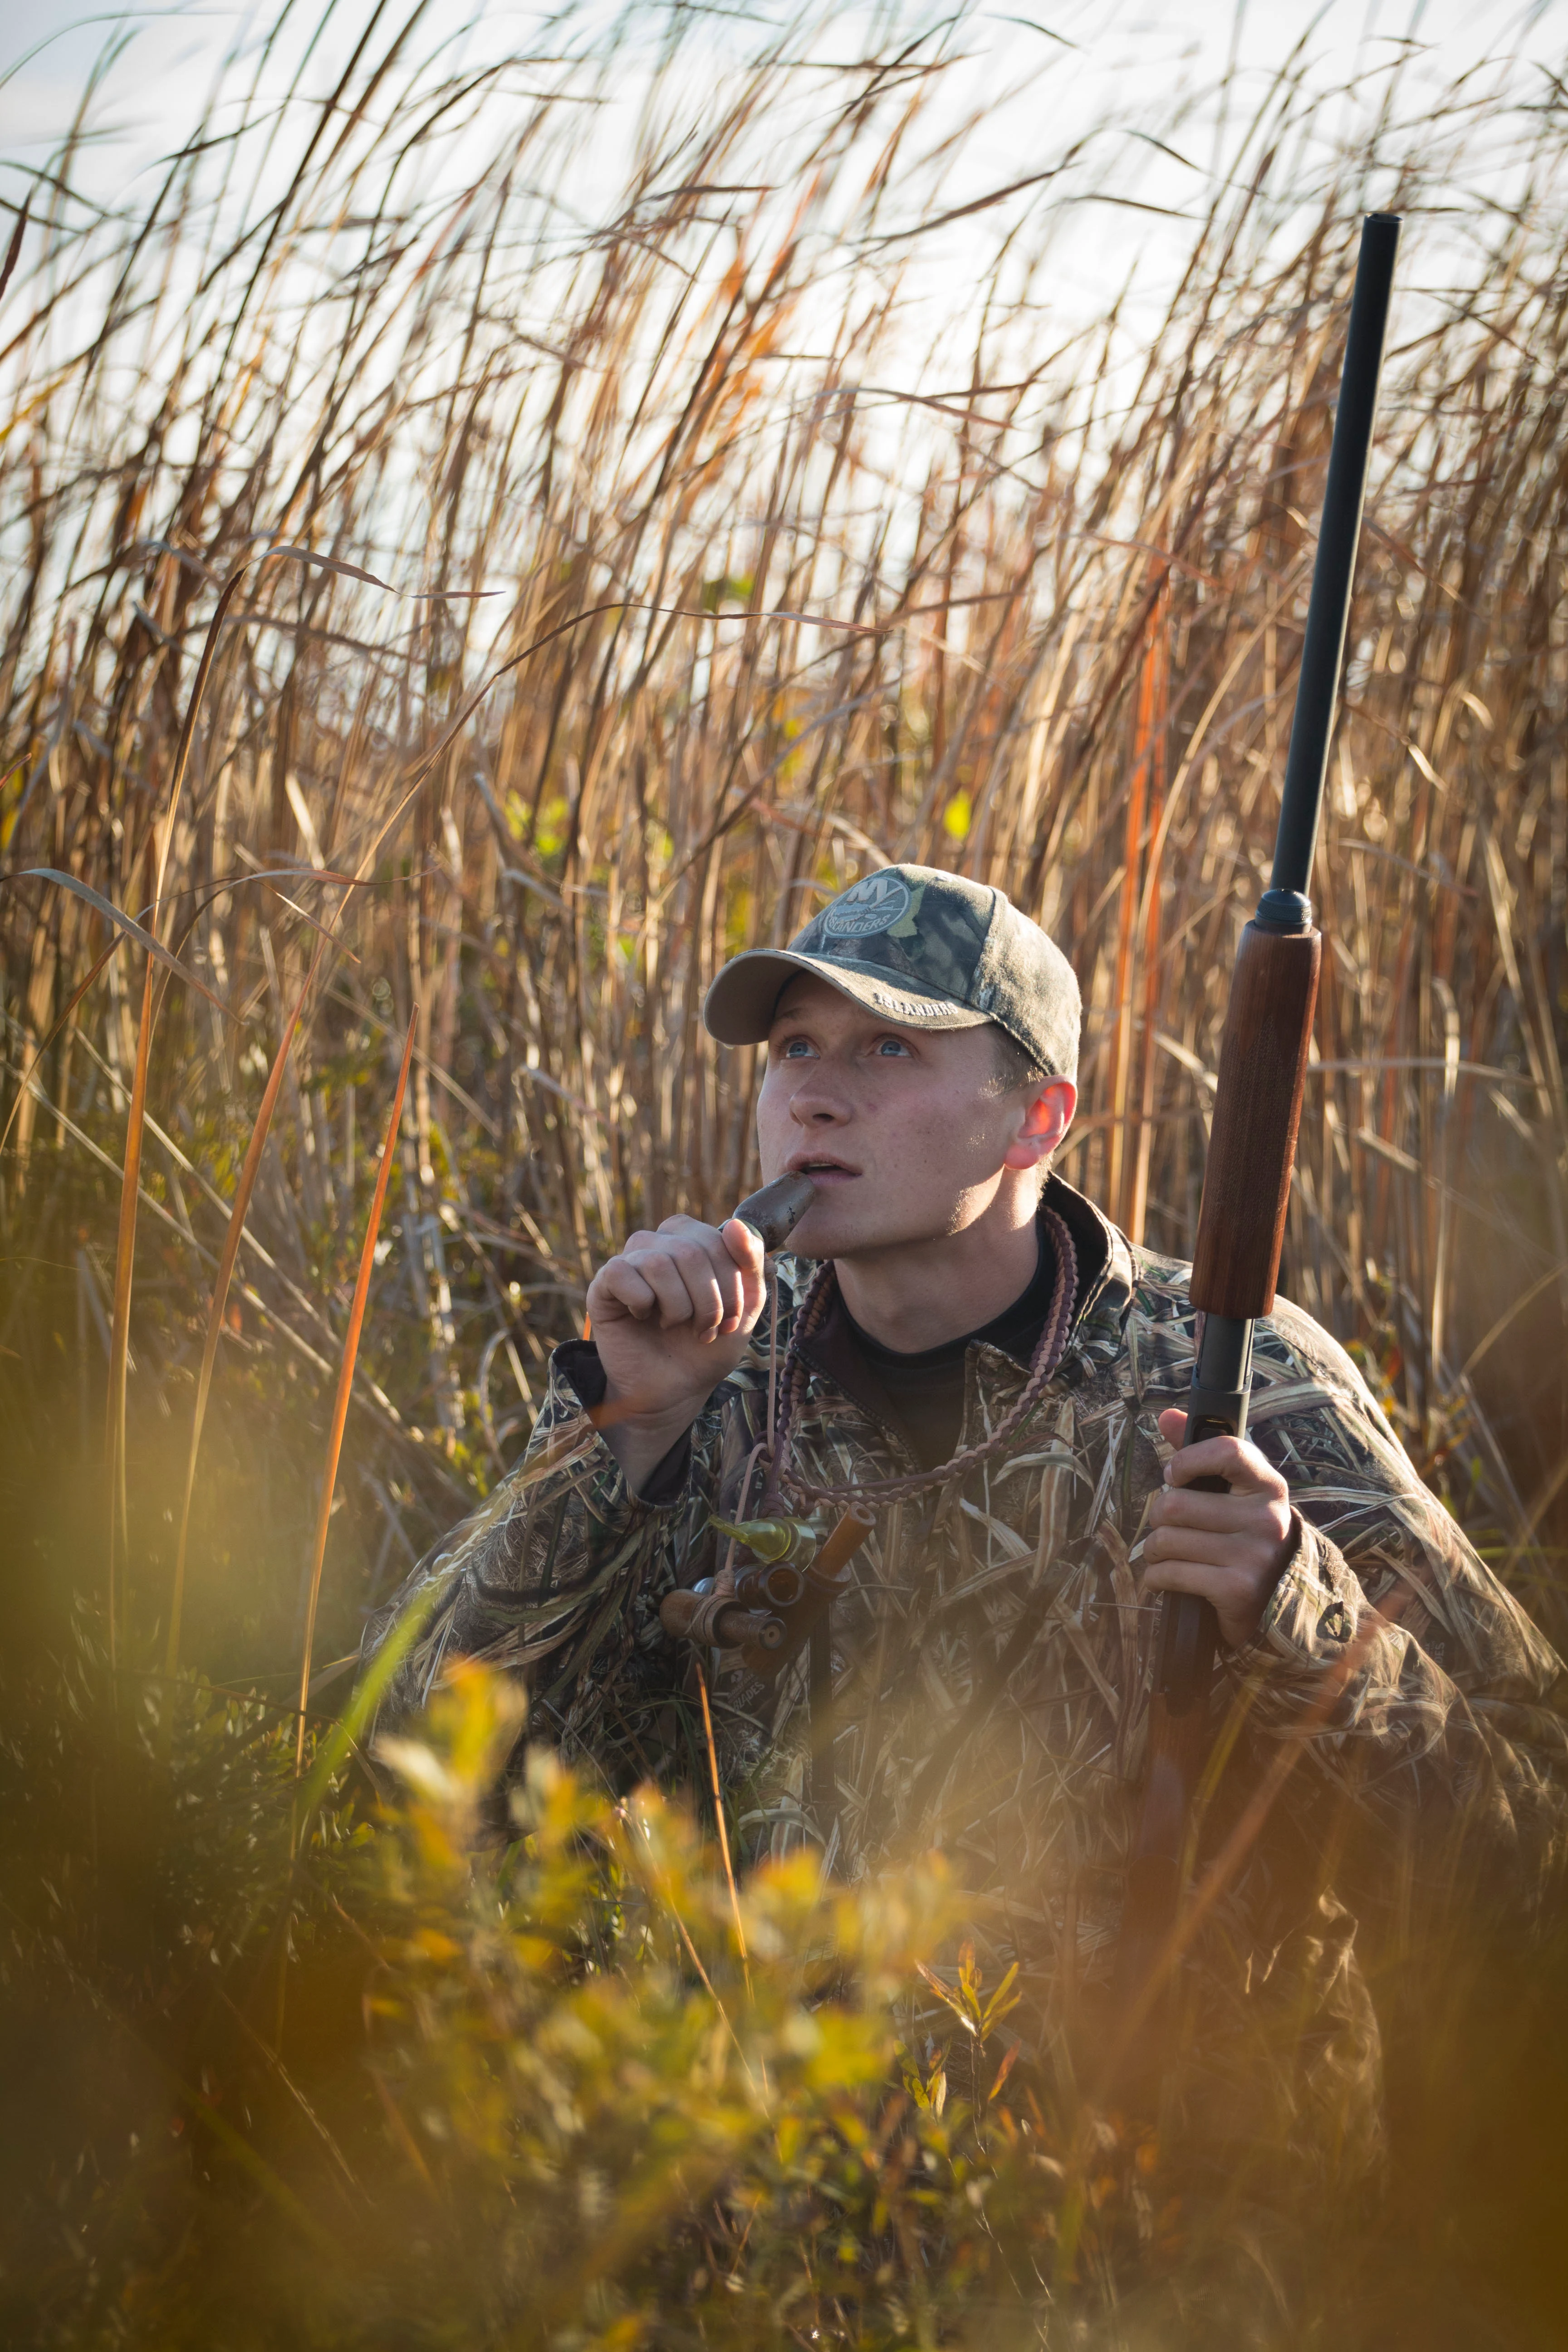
column 1387, row 1747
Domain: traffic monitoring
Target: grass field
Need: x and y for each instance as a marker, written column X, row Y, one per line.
column 476, row 555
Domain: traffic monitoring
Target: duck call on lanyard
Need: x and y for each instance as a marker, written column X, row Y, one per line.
column 1252, row 1145
column 775, row 1603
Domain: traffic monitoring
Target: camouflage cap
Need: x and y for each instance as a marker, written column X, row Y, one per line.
column 930, row 950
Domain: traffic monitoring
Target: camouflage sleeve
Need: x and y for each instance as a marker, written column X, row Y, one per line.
column 1422, row 1691
column 561, row 1558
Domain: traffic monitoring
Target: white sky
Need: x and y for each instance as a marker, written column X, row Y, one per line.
column 1133, row 54
column 1158, row 62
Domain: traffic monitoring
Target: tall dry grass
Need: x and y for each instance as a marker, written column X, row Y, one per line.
column 671, row 508
column 704, row 626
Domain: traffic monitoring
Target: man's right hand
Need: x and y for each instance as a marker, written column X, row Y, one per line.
column 672, row 1317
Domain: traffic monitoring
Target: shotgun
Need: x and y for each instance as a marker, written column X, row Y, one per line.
column 1252, row 1148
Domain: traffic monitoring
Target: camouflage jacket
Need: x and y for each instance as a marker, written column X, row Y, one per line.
column 992, row 1662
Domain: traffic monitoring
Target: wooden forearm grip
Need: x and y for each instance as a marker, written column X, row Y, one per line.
column 1262, row 1068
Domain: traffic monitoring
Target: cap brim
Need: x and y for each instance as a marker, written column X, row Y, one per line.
column 739, row 1008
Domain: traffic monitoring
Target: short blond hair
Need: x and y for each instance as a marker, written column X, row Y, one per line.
column 1015, row 1065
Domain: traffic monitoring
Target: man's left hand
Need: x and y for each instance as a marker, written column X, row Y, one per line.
column 1230, row 1549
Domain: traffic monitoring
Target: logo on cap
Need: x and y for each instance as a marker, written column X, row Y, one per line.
column 871, row 905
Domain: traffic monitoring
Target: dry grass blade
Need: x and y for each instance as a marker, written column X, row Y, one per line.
column 131, row 1174
column 122, row 922
column 226, row 595
column 221, row 1280
column 119, row 1336
column 24, row 1083
column 345, row 1384
column 13, row 249
column 723, row 1830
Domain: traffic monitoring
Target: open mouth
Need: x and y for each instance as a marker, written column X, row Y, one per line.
column 821, row 1168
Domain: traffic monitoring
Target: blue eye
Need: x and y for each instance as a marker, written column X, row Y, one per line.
column 892, row 1046
column 796, row 1049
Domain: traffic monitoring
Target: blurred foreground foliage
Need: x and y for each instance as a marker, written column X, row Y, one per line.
column 345, row 2062
column 405, row 2085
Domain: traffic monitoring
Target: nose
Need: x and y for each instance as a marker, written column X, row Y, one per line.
column 819, row 1099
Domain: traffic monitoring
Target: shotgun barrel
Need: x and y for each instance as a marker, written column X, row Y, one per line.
column 1252, row 1148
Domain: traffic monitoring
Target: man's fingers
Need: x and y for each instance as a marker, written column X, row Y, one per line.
column 714, row 1290
column 721, row 1268
column 728, row 1282
column 1225, row 1514
column 1229, row 1548
column 1250, row 1554
column 649, row 1277
column 1244, row 1469
column 617, row 1290
column 668, row 1277
column 706, row 1280
column 1196, row 1576
column 1234, row 1594
column 1173, row 1424
column 744, row 1245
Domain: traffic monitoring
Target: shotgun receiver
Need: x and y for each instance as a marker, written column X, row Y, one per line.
column 1252, row 1148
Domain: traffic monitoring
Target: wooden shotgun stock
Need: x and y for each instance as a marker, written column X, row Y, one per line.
column 1246, row 1180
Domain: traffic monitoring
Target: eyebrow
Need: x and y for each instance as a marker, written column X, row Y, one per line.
column 794, row 1012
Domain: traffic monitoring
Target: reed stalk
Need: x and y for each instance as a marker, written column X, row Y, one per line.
column 345, row 1386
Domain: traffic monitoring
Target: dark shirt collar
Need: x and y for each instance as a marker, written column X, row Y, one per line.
column 1014, row 1330
column 1103, row 1265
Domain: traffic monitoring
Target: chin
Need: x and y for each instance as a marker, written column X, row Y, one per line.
column 813, row 1238
column 828, row 1231
column 831, row 1228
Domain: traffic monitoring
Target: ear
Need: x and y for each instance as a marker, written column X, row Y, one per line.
column 1045, row 1120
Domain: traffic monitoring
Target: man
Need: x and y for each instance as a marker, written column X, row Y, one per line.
column 964, row 1341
